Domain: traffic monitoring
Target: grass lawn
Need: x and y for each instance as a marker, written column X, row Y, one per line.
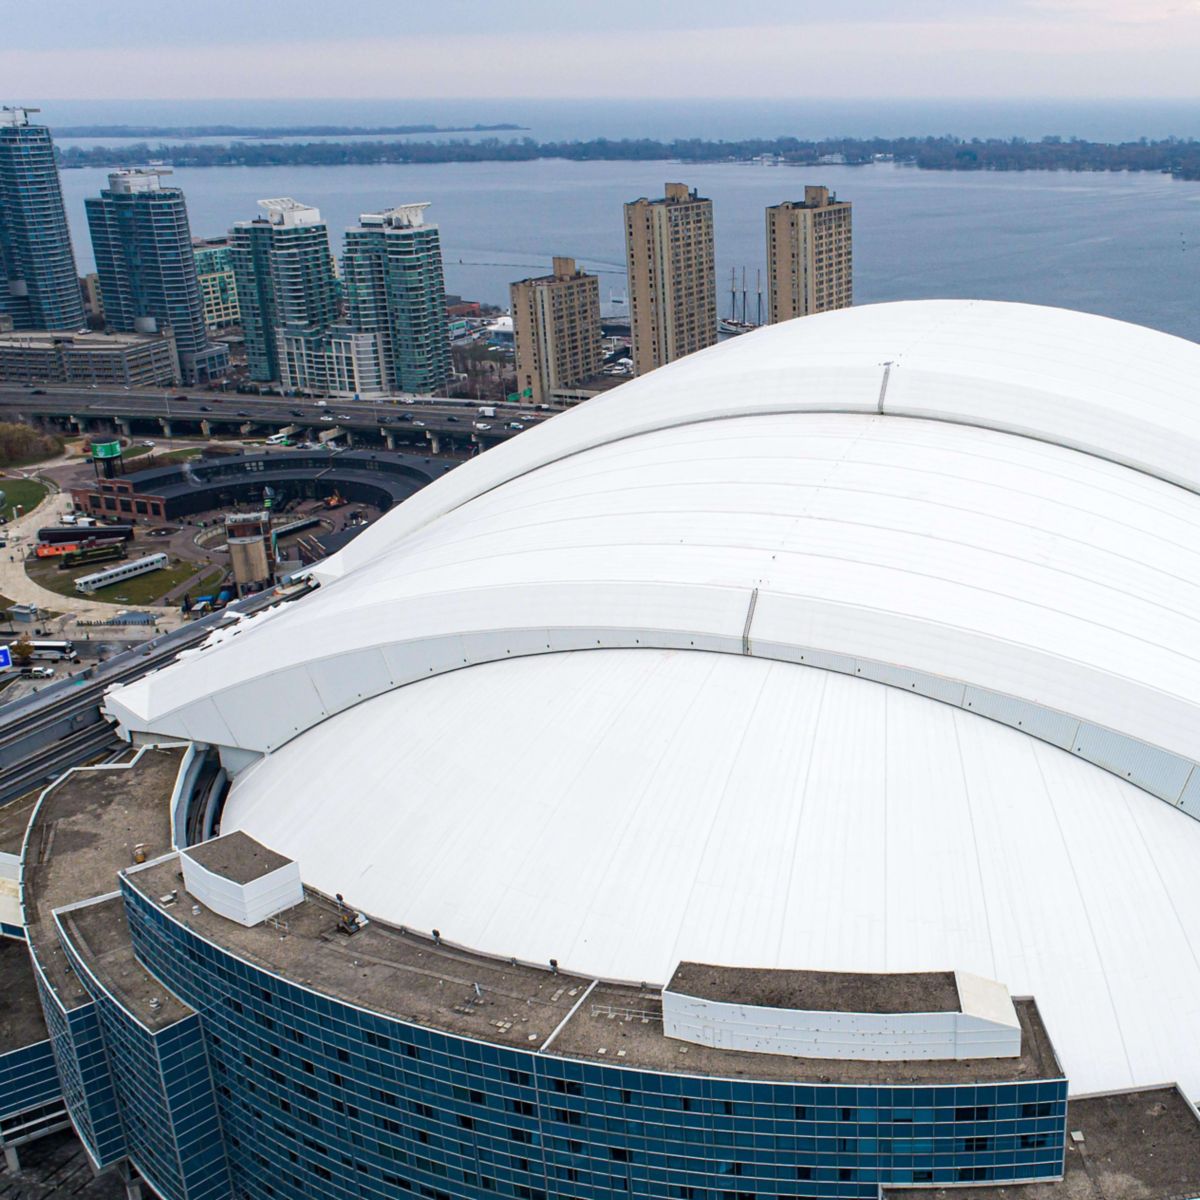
column 207, row 584
column 27, row 492
column 141, row 589
column 178, row 456
column 136, row 451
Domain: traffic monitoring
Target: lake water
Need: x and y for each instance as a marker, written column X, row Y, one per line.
column 1124, row 245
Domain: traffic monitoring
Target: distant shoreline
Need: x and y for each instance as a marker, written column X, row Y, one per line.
column 269, row 131
column 1172, row 156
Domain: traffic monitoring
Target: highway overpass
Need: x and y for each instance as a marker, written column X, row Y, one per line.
column 433, row 424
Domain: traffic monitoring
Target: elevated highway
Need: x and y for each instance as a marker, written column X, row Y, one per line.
column 432, row 423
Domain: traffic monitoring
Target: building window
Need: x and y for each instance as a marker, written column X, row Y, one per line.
column 980, row 1112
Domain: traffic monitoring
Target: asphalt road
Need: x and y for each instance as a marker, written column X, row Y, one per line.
column 400, row 416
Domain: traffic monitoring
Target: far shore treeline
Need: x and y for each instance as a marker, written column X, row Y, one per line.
column 1172, row 156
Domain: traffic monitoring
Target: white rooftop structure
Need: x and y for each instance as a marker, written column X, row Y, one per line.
column 16, row 115
column 129, row 180
column 285, row 211
column 807, row 565
column 403, row 216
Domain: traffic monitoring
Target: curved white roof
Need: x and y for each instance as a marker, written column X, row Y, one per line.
column 845, row 489
column 991, row 506
column 622, row 810
column 1115, row 390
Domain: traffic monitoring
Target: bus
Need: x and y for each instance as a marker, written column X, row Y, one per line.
column 279, row 439
column 54, row 651
column 77, row 556
column 86, row 584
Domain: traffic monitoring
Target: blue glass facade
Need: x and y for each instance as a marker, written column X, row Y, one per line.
column 28, row 1080
column 39, row 285
column 317, row 1097
column 147, row 268
column 164, row 1096
column 84, row 1075
column 395, row 287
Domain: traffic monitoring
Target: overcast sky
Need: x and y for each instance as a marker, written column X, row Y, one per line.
column 184, row 49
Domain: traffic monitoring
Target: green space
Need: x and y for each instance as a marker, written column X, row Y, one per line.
column 141, row 589
column 27, row 492
column 178, row 456
column 136, row 451
column 208, row 583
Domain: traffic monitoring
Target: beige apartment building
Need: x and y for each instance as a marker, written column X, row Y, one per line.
column 809, row 262
column 556, row 323
column 672, row 280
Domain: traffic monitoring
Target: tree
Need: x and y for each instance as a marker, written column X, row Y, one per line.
column 22, row 651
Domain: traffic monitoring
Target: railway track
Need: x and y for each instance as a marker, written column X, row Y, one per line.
column 62, row 726
column 72, row 751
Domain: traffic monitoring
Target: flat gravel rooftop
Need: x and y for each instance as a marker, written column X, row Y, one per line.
column 237, row 857
column 21, row 1022
column 85, row 831
column 820, row 991
column 100, row 935
column 406, row 975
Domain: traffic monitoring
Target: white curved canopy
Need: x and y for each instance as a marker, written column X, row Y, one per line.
column 622, row 810
column 1115, row 390
column 752, row 499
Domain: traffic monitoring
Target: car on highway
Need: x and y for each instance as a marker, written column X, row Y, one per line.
column 344, row 417
column 421, row 423
column 482, row 425
column 452, row 420
column 515, row 425
column 205, row 408
column 38, row 392
column 241, row 413
column 295, row 412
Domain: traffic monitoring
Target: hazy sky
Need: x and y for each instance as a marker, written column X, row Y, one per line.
column 630, row 48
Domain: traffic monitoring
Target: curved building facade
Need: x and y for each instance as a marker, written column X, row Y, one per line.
column 862, row 834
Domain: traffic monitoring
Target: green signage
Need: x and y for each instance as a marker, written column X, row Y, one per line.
column 106, row 449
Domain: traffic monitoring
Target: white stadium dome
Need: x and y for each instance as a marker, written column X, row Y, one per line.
column 893, row 620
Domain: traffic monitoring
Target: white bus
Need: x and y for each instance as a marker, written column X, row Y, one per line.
column 87, row 584
column 279, row 439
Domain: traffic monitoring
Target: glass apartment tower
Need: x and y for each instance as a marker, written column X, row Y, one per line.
column 285, row 280
column 143, row 247
column 39, row 286
column 392, row 269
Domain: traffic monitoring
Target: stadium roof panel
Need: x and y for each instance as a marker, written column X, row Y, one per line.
column 621, row 811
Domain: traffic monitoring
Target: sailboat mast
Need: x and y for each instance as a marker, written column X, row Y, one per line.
column 743, row 295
